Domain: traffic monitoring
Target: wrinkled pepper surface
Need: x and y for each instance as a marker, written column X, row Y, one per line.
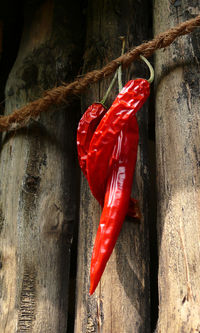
column 109, row 165
column 86, row 128
column 117, row 196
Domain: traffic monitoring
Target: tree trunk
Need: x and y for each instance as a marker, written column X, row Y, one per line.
column 38, row 176
column 178, row 155
column 121, row 301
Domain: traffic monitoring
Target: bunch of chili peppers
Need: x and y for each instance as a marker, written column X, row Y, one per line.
column 107, row 143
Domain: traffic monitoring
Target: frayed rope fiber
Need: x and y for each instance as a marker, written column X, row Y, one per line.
column 58, row 95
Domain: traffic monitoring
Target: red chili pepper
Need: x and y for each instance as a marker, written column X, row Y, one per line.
column 118, row 191
column 117, row 130
column 127, row 103
column 86, row 128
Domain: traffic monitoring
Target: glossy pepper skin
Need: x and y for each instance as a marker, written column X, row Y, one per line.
column 86, row 128
column 117, row 128
column 117, row 196
column 128, row 102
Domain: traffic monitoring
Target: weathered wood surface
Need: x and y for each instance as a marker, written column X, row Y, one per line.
column 37, row 177
column 178, row 182
column 121, row 302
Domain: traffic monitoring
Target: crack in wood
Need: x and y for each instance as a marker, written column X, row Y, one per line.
column 1, row 219
column 90, row 326
column 189, row 287
column 27, row 309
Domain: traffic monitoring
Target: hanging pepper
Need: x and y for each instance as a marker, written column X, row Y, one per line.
column 107, row 154
column 86, row 128
column 127, row 103
column 118, row 191
column 116, row 136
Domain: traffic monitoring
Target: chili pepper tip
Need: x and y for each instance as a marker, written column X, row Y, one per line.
column 92, row 289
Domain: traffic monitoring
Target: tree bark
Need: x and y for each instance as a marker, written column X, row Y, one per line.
column 178, row 155
column 121, row 301
column 38, row 176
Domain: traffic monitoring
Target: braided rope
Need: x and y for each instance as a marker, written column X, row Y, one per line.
column 58, row 95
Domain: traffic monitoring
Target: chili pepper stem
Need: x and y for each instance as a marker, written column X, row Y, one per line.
column 150, row 80
column 120, row 78
column 118, row 73
column 109, row 89
column 120, row 67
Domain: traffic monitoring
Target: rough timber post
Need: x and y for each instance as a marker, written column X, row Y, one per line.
column 178, row 182
column 121, row 302
column 37, row 176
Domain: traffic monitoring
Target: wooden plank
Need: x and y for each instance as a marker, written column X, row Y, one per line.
column 38, row 176
column 178, row 156
column 121, row 302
